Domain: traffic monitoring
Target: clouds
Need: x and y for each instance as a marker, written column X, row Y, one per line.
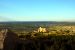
column 5, row 19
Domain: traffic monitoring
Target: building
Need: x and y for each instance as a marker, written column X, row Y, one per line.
column 40, row 29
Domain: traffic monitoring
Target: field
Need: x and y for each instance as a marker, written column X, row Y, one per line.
column 38, row 35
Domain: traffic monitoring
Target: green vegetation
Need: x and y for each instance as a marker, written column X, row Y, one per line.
column 51, row 42
column 57, row 37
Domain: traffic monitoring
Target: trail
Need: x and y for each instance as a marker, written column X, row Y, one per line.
column 3, row 33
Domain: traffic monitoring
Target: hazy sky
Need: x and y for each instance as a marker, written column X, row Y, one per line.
column 37, row 10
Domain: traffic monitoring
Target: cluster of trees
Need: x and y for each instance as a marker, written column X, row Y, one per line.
column 38, row 41
column 51, row 42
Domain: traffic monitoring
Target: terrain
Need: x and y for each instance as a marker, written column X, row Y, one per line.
column 25, row 35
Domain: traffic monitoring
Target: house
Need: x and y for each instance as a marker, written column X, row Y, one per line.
column 40, row 29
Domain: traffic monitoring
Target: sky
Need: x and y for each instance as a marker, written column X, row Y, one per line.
column 37, row 10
